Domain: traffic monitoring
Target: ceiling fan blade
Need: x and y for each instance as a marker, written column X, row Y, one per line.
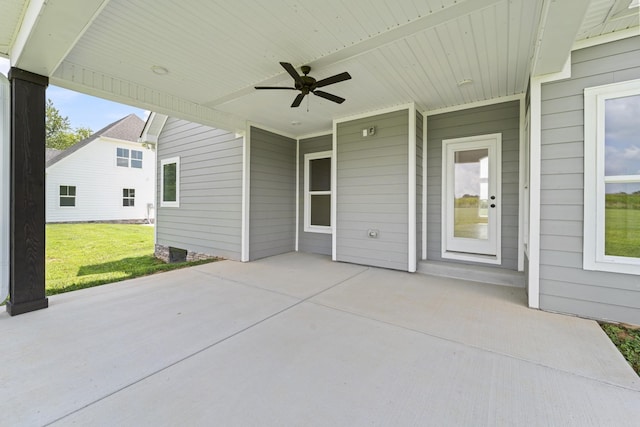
column 333, row 79
column 328, row 96
column 274, row 87
column 298, row 100
column 292, row 72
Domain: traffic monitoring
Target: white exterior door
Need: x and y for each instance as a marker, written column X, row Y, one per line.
column 471, row 198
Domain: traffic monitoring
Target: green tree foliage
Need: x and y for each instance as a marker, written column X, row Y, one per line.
column 60, row 135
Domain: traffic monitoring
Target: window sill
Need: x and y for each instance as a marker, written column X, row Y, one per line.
column 613, row 266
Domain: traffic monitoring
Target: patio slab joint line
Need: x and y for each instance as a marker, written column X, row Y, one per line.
column 220, row 341
column 486, row 350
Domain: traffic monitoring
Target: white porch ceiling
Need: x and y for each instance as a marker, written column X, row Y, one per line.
column 397, row 51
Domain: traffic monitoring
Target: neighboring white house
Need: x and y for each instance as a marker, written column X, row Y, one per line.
column 106, row 177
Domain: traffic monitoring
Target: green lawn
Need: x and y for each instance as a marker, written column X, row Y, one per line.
column 84, row 255
column 622, row 232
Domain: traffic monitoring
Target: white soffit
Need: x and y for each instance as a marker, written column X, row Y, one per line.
column 609, row 16
column 214, row 52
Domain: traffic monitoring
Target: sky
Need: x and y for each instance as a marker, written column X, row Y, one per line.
column 84, row 110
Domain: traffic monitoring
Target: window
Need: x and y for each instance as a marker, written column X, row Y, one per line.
column 170, row 182
column 317, row 192
column 122, row 158
column 67, row 195
column 612, row 178
column 136, row 159
column 128, row 197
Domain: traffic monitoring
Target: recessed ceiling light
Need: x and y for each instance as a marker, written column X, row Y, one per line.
column 465, row 82
column 296, row 123
column 159, row 70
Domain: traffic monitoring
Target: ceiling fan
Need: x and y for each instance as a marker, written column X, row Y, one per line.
column 307, row 84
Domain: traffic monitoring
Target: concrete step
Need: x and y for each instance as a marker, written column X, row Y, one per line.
column 476, row 273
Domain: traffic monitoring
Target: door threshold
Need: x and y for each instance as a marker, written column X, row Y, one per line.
column 474, row 273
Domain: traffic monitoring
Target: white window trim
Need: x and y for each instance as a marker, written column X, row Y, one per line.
column 75, row 197
column 129, row 197
column 307, row 194
column 163, row 203
column 593, row 255
column 131, row 159
column 121, row 157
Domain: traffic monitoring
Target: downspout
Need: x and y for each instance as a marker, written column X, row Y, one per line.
column 4, row 186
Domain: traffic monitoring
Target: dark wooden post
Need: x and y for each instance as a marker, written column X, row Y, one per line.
column 27, row 216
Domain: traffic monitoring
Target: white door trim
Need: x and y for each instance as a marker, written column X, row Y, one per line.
column 495, row 176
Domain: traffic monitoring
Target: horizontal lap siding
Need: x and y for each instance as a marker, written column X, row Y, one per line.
column 209, row 218
column 272, row 194
column 501, row 118
column 372, row 191
column 564, row 285
column 317, row 243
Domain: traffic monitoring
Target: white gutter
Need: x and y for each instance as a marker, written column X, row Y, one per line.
column 5, row 187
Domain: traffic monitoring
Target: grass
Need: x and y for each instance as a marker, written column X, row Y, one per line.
column 85, row 255
column 622, row 232
column 627, row 340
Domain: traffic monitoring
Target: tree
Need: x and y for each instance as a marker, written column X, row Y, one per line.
column 60, row 135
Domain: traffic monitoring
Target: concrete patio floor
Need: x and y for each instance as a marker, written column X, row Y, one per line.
column 299, row 340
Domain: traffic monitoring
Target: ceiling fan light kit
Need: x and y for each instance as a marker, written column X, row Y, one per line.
column 307, row 84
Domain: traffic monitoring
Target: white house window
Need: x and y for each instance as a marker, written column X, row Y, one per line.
column 128, row 197
column 136, row 159
column 170, row 182
column 612, row 178
column 122, row 157
column 317, row 192
column 67, row 195
column 126, row 158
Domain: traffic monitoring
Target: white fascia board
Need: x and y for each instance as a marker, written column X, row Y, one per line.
column 153, row 128
column 559, row 26
column 476, row 104
column 272, row 130
column 315, row 134
column 49, row 31
column 373, row 113
column 606, row 38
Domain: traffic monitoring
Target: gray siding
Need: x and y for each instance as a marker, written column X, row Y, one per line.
column 498, row 118
column 564, row 285
column 372, row 191
column 208, row 220
column 272, row 194
column 316, row 243
column 419, row 174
